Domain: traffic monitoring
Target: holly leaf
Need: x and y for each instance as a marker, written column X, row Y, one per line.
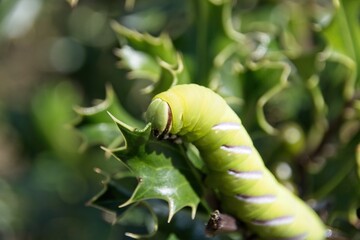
column 156, row 47
column 160, row 168
column 117, row 189
column 344, row 47
column 140, row 64
column 170, row 75
column 96, row 127
column 151, row 58
column 245, row 64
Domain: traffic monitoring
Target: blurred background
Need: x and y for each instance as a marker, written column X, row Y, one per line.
column 54, row 57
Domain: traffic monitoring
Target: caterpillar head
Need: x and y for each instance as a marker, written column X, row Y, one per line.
column 160, row 116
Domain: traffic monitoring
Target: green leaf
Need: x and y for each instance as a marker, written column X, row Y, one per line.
column 247, row 70
column 160, row 168
column 117, row 189
column 343, row 37
column 345, row 22
column 157, row 47
column 51, row 112
column 99, row 134
column 96, row 127
column 143, row 218
column 170, row 75
column 261, row 83
column 98, row 112
column 140, row 64
column 152, row 58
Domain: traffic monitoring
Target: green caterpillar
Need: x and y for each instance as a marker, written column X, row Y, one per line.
column 247, row 188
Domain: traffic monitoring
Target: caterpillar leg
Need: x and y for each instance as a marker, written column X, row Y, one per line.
column 222, row 223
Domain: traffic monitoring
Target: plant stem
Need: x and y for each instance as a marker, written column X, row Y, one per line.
column 201, row 18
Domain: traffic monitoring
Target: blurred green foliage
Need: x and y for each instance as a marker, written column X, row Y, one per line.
column 288, row 68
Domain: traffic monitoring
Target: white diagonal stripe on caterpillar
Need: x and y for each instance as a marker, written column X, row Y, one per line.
column 227, row 126
column 246, row 175
column 274, row 222
column 256, row 199
column 237, row 149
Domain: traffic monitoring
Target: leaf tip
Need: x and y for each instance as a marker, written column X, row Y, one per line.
column 171, row 210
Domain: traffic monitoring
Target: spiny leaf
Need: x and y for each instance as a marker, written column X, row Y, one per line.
column 96, row 127
column 140, row 64
column 140, row 214
column 277, row 85
column 116, row 191
column 160, row 47
column 170, row 75
column 134, row 139
column 98, row 112
column 152, row 58
column 160, row 179
column 161, row 170
column 99, row 134
column 251, row 51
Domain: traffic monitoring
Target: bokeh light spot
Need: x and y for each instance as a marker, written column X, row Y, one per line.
column 283, row 171
column 66, row 55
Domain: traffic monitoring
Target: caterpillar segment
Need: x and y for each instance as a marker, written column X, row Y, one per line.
column 247, row 189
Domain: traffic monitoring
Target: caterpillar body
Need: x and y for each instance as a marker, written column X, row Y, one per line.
column 246, row 187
